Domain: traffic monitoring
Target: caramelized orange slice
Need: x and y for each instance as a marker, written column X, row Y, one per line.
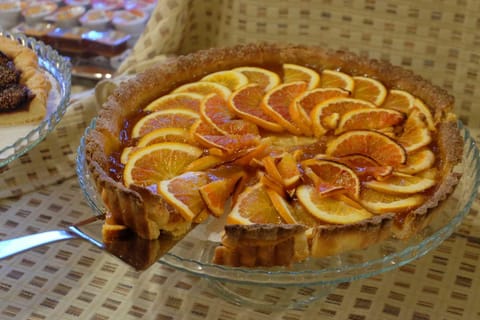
column 214, row 111
column 264, row 78
column 425, row 111
column 288, row 170
column 379, row 202
column 400, row 183
column 303, row 105
column 184, row 100
column 326, row 115
column 149, row 165
column 204, row 163
column 165, row 135
column 418, row 161
column 276, row 104
column 216, row 193
column 205, row 88
column 365, row 166
column 377, row 146
column 369, row 119
column 229, row 78
column 415, row 133
column 399, row 100
column 335, row 174
column 254, row 206
column 294, row 72
column 209, row 137
column 169, row 118
column 182, row 192
column 369, row 89
column 246, row 103
column 336, row 79
column 282, row 206
column 330, row 209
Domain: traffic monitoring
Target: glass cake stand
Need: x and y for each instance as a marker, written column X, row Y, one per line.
column 303, row 283
column 19, row 139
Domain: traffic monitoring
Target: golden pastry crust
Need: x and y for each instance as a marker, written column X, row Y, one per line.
column 33, row 77
column 148, row 214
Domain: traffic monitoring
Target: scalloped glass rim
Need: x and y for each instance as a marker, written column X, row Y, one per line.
column 60, row 68
column 379, row 258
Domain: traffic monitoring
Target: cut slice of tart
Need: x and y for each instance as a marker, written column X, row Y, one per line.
column 293, row 178
column 24, row 86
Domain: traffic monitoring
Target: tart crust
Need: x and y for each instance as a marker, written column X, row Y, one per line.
column 33, row 77
column 259, row 245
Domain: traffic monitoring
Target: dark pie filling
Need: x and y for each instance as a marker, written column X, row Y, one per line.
column 13, row 95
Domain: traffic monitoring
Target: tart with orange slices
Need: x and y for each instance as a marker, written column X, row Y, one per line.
column 303, row 152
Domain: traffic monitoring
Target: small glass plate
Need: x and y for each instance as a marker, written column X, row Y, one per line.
column 194, row 253
column 19, row 139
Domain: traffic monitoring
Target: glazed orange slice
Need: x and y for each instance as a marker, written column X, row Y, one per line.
column 149, row 165
column 288, row 169
column 182, row 192
column 246, row 103
column 184, row 100
column 364, row 166
column 330, row 209
column 323, row 188
column 165, row 135
column 415, row 133
column 400, row 183
column 209, row 137
column 303, row 105
column 369, row 118
column 377, row 146
column 369, row 89
column 335, row 174
column 203, row 163
column 169, row 118
column 326, row 115
column 418, row 161
column 264, row 78
column 276, row 103
column 205, row 88
column 425, row 111
column 214, row 111
column 229, row 78
column 380, row 202
column 216, row 193
column 294, row 72
column 282, row 206
column 399, row 100
column 254, row 206
column 336, row 79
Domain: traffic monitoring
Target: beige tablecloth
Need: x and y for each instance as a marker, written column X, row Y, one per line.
column 74, row 280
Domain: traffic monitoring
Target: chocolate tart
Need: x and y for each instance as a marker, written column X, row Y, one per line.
column 24, row 85
column 149, row 214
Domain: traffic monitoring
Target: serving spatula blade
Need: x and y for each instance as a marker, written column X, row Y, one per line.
column 133, row 250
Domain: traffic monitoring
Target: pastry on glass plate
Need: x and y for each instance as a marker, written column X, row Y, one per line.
column 24, row 86
column 299, row 151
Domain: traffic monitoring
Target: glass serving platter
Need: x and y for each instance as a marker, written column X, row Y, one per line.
column 19, row 139
column 194, row 253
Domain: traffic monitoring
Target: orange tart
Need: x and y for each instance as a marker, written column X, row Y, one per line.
column 24, row 86
column 302, row 152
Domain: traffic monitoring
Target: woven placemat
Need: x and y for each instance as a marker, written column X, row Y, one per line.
column 73, row 280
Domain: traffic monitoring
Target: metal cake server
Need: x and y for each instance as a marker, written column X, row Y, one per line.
column 135, row 251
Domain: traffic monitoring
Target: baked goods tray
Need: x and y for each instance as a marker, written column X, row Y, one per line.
column 19, row 139
column 194, row 253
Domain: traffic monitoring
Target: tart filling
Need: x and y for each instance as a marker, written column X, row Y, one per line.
column 24, row 87
column 307, row 152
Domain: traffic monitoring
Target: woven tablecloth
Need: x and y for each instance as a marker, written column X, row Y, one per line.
column 74, row 280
